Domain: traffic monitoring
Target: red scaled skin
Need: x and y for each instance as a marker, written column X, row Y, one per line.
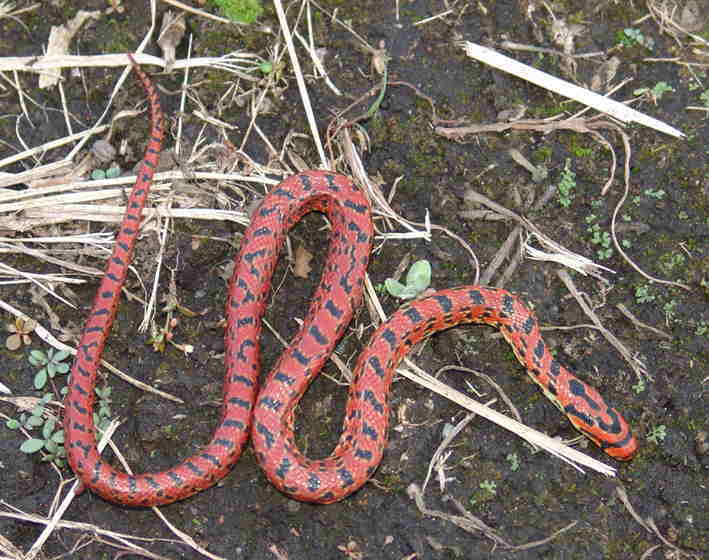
column 363, row 440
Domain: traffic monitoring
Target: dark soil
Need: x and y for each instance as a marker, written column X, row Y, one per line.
column 244, row 517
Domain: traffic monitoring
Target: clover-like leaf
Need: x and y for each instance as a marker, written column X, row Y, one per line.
column 419, row 275
column 394, row 287
column 32, row 445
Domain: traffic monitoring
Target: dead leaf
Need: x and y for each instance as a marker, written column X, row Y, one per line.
column 171, row 33
column 301, row 267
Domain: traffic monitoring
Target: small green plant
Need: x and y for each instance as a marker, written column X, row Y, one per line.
column 513, row 459
column 656, row 92
column 567, row 185
column 52, row 436
column 52, row 364
column 657, row 434
column 489, row 486
column 643, row 295
column 243, row 11
column 417, row 280
column 702, row 328
column 44, row 413
column 657, row 194
column 705, row 98
column 670, row 262
column 669, row 309
column 630, row 37
column 639, row 387
column 110, row 173
column 600, row 238
column 102, row 417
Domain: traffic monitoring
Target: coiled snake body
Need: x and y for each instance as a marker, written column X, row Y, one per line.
column 267, row 414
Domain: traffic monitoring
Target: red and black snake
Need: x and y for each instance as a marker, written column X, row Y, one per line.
column 267, row 414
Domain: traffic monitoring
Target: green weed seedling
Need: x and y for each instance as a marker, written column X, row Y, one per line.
column 513, row 460
column 418, row 279
column 629, row 37
column 643, row 295
column 600, row 238
column 243, row 11
column 657, row 434
column 656, row 92
column 567, row 185
column 52, row 364
column 52, row 436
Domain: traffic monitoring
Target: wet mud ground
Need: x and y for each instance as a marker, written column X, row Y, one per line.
column 523, row 496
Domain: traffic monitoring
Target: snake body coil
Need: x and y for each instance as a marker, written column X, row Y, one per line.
column 267, row 414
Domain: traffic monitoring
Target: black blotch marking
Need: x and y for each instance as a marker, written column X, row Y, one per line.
column 359, row 208
column 476, row 297
column 268, row 402
column 554, row 368
column 242, row 379
column 345, row 477
column 333, row 309
column 302, row 360
column 240, row 402
column 390, row 336
column 376, row 366
column 263, row 231
column 539, row 350
column 267, row 435
column 283, row 193
column 211, row 459
column 579, row 389
column 313, row 482
column 224, row 443
column 194, row 468
column 363, row 454
column 413, row 315
column 445, row 303
column 283, row 468
column 370, row 431
column 283, row 378
column 176, row 478
column 318, row 336
column 507, row 305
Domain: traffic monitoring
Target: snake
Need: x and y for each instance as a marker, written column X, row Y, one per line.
column 266, row 413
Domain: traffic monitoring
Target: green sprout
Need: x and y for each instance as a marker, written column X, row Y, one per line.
column 52, row 364
column 418, row 279
column 110, row 173
column 656, row 92
column 639, row 387
column 657, row 194
column 43, row 415
column 630, row 37
column 242, row 11
column 51, row 441
column 643, row 295
column 657, row 434
column 567, row 185
column 513, row 459
column 489, row 486
column 705, row 98
column 600, row 238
